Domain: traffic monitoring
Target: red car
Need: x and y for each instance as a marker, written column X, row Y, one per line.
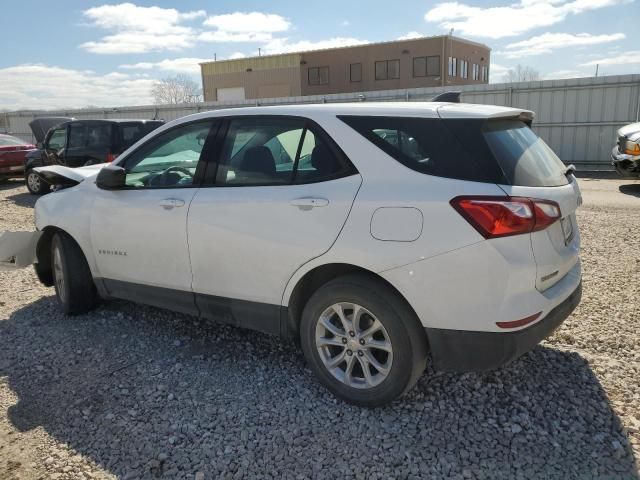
column 12, row 156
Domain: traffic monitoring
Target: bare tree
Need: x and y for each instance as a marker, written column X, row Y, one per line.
column 521, row 73
column 178, row 89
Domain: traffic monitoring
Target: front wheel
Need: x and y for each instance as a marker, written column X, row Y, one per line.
column 361, row 340
column 35, row 184
column 72, row 278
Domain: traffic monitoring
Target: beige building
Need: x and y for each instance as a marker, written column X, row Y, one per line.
column 423, row 62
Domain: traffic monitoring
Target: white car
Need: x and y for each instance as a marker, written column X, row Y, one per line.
column 379, row 236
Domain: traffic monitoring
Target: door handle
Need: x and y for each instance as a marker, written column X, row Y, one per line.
column 169, row 203
column 307, row 203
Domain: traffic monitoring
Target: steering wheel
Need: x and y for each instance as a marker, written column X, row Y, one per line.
column 162, row 177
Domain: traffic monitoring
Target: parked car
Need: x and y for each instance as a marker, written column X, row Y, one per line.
column 77, row 143
column 625, row 156
column 12, row 154
column 380, row 236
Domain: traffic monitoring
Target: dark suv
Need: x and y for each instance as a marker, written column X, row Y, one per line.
column 78, row 143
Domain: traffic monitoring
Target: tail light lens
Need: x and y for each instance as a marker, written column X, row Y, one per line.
column 111, row 157
column 496, row 217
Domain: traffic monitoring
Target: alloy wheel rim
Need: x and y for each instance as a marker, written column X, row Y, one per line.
column 34, row 181
column 58, row 273
column 353, row 345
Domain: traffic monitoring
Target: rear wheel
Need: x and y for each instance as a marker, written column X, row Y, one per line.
column 35, row 184
column 361, row 340
column 72, row 278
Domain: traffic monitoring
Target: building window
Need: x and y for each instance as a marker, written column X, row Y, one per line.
column 453, row 67
column 476, row 72
column 318, row 75
column 387, row 69
column 426, row 66
column 355, row 72
column 485, row 73
column 464, row 69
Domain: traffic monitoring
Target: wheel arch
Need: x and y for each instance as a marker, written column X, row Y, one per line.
column 43, row 253
column 315, row 278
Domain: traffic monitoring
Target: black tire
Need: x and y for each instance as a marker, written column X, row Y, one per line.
column 402, row 327
column 75, row 290
column 35, row 184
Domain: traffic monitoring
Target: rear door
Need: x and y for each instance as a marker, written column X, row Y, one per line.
column 281, row 194
column 534, row 171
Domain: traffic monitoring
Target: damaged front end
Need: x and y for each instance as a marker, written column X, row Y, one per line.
column 18, row 249
column 625, row 156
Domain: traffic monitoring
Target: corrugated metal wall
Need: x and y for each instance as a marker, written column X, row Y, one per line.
column 577, row 117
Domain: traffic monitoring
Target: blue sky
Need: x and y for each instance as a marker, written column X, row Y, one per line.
column 76, row 53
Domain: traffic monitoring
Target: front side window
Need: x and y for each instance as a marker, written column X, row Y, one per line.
column 77, row 135
column 58, row 139
column 168, row 160
column 318, row 75
column 275, row 151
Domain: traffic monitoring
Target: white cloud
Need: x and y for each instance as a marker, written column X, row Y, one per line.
column 236, row 55
column 282, row 45
column 625, row 58
column 411, row 36
column 497, row 73
column 140, row 29
column 511, row 20
column 253, row 27
column 548, row 42
column 186, row 65
column 251, row 22
column 345, row 23
column 562, row 74
column 41, row 86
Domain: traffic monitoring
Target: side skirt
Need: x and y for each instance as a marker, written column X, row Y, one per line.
column 263, row 317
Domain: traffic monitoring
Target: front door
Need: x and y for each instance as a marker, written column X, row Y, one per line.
column 55, row 145
column 282, row 193
column 139, row 233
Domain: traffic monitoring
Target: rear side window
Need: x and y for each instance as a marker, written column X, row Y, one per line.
column 425, row 145
column 131, row 132
column 506, row 152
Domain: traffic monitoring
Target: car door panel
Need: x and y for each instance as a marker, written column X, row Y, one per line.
column 246, row 242
column 140, row 233
column 247, row 237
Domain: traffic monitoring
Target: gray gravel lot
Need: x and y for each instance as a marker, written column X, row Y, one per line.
column 137, row 392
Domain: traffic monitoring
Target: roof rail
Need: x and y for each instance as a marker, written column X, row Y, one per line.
column 452, row 97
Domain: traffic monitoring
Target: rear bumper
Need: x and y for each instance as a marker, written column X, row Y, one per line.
column 463, row 351
column 18, row 249
column 11, row 170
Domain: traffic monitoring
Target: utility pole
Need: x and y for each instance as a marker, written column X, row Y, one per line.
column 259, row 52
column 597, row 67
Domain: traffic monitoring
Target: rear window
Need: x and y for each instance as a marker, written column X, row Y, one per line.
column 523, row 156
column 504, row 152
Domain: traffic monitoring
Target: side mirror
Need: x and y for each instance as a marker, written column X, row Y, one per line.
column 111, row 177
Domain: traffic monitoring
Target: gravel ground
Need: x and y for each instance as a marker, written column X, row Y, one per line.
column 137, row 392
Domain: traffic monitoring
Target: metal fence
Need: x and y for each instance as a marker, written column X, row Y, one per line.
column 578, row 118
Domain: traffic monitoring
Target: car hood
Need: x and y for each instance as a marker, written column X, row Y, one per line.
column 631, row 132
column 41, row 125
column 60, row 175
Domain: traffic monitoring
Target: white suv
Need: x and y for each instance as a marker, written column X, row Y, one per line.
column 380, row 236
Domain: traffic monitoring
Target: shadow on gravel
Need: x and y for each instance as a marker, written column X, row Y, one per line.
column 24, row 199
column 152, row 394
column 630, row 189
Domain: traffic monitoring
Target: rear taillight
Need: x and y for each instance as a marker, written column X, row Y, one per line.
column 111, row 157
column 503, row 216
